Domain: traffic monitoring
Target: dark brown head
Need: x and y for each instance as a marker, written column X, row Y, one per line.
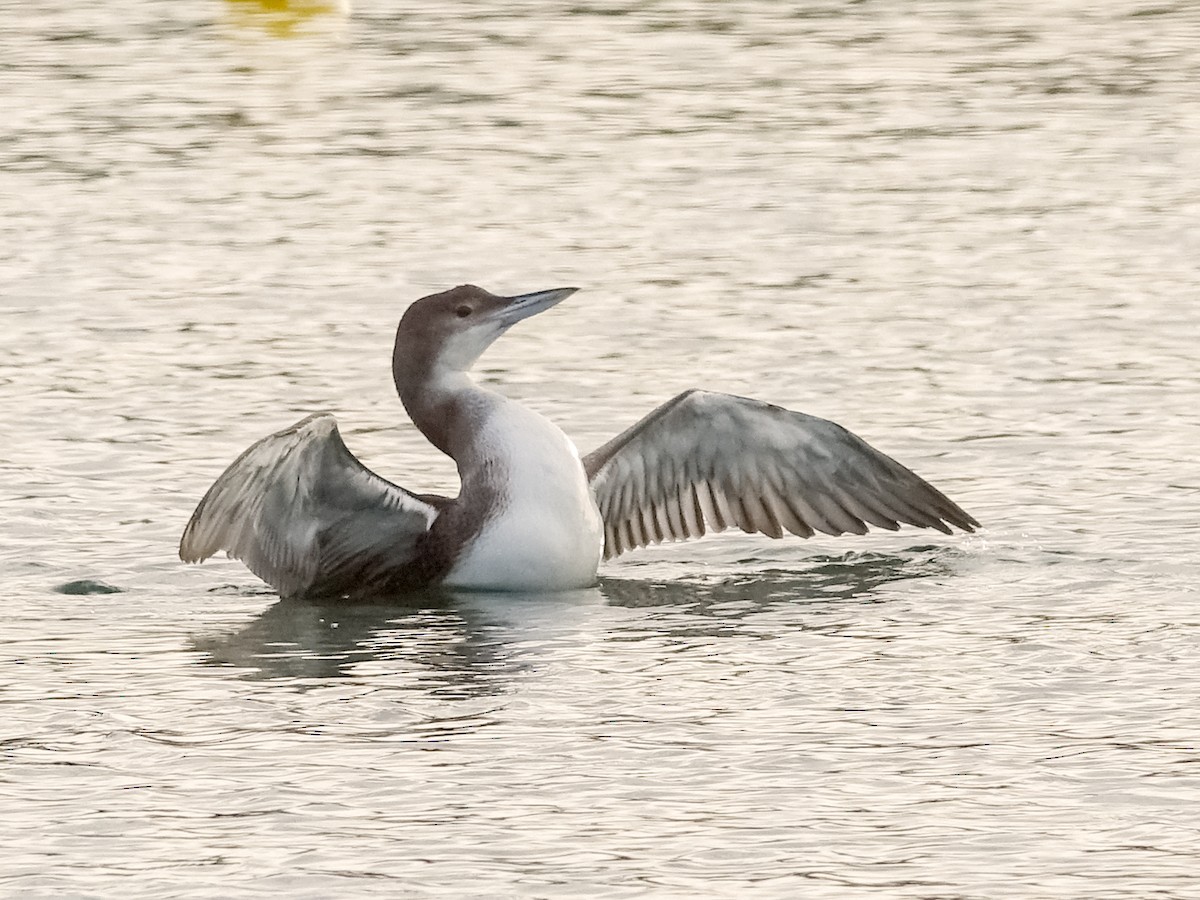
column 447, row 332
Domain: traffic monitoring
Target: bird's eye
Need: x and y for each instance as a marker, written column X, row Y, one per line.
column 463, row 311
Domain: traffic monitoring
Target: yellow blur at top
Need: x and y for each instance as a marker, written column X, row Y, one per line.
column 285, row 18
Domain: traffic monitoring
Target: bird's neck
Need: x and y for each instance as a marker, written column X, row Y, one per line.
column 446, row 405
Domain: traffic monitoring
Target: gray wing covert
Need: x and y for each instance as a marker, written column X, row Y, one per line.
column 710, row 461
column 305, row 515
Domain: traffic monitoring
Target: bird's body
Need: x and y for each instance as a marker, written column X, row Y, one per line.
column 308, row 518
column 543, row 529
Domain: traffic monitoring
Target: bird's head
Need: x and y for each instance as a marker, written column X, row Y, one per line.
column 448, row 332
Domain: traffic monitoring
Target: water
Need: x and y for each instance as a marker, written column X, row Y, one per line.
column 966, row 231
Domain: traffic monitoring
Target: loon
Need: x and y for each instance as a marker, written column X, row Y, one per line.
column 308, row 518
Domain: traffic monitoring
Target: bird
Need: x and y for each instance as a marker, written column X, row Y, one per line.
column 532, row 514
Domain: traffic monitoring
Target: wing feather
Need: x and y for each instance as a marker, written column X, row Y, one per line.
column 304, row 514
column 674, row 508
column 708, row 506
column 725, row 513
column 705, row 461
column 758, row 517
column 662, row 521
column 864, row 509
column 625, row 535
column 792, row 520
column 693, row 516
column 805, row 506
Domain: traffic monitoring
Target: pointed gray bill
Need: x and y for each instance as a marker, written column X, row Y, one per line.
column 523, row 306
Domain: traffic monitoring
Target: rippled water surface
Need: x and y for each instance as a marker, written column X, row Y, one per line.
column 967, row 231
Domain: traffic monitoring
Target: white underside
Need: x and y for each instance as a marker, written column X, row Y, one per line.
column 547, row 534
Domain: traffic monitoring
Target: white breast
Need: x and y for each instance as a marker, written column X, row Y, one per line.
column 546, row 533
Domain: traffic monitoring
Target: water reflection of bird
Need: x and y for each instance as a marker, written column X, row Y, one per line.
column 472, row 644
column 308, row 518
column 443, row 648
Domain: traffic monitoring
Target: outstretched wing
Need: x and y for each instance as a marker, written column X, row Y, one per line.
column 305, row 515
column 708, row 461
